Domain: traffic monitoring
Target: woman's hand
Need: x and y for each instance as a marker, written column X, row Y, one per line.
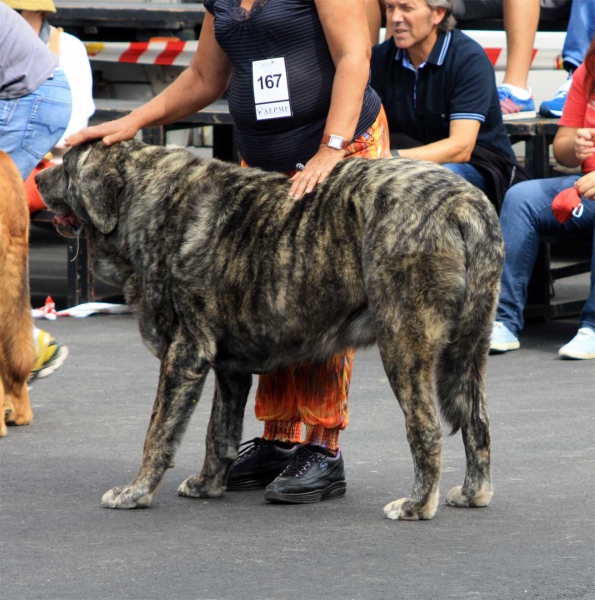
column 584, row 143
column 317, row 170
column 110, row 133
column 585, row 186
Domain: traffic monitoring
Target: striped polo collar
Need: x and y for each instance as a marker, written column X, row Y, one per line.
column 438, row 53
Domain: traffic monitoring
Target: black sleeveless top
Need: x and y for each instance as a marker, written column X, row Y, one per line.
column 290, row 29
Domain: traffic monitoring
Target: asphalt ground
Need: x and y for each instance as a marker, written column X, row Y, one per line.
column 536, row 539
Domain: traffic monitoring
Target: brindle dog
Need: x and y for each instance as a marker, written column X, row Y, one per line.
column 224, row 271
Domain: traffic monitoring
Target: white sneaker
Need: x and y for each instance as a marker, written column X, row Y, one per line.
column 581, row 346
column 502, row 339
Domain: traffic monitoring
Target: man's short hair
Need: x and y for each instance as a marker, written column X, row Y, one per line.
column 449, row 22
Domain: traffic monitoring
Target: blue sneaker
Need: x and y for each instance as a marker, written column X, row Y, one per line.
column 502, row 339
column 513, row 107
column 581, row 346
column 554, row 108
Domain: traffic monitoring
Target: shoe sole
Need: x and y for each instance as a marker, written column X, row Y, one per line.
column 529, row 114
column 248, row 484
column 551, row 114
column 501, row 348
column 335, row 490
column 55, row 363
column 573, row 356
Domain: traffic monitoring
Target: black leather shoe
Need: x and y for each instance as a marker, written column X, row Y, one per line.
column 258, row 464
column 311, row 476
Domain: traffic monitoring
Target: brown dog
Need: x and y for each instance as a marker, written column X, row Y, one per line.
column 17, row 352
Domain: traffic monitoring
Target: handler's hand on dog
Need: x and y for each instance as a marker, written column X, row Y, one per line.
column 110, row 132
column 316, row 171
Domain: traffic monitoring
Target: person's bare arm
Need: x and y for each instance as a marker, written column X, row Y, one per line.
column 573, row 145
column 344, row 24
column 456, row 148
column 374, row 18
column 199, row 85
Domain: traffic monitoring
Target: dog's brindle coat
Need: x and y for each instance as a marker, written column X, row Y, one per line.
column 225, row 271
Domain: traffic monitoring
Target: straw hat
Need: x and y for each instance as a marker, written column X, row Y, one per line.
column 42, row 5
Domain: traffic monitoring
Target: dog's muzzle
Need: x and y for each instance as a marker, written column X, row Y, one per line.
column 68, row 225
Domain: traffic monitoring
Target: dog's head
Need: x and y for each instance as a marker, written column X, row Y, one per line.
column 83, row 191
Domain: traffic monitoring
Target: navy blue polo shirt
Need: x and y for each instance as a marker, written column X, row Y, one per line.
column 456, row 82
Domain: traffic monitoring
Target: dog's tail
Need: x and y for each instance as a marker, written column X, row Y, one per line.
column 17, row 351
column 460, row 376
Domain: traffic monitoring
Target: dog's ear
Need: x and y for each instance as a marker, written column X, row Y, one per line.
column 100, row 184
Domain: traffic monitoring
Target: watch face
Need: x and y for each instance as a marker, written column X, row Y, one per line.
column 336, row 142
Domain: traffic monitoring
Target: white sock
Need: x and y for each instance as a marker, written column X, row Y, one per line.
column 520, row 93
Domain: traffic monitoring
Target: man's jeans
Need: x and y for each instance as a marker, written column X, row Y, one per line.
column 468, row 172
column 32, row 125
column 527, row 213
column 581, row 27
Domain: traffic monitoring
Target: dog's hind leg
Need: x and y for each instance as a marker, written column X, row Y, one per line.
column 460, row 379
column 223, row 436
column 461, row 369
column 184, row 369
column 408, row 351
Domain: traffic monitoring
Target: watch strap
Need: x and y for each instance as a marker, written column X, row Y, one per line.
column 327, row 138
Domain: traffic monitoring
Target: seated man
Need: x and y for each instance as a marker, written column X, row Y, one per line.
column 438, row 88
column 528, row 212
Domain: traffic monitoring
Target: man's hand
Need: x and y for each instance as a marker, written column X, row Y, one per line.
column 110, row 133
column 585, row 186
column 316, row 171
column 584, row 146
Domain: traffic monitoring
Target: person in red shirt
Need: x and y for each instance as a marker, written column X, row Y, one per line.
column 527, row 212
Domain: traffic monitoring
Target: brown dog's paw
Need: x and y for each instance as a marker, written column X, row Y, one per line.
column 126, row 496
column 14, row 418
column 197, row 487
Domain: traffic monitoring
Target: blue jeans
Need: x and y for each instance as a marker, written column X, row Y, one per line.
column 581, row 27
column 32, row 125
column 527, row 213
column 468, row 172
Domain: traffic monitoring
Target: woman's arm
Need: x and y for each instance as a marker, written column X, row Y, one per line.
column 199, row 85
column 344, row 24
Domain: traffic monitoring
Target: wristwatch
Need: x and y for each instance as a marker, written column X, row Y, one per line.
column 336, row 142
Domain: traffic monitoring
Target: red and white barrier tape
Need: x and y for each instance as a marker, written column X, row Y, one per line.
column 177, row 53
column 546, row 54
column 547, row 49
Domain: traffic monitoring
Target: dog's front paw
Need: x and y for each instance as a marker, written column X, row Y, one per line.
column 406, row 509
column 16, row 417
column 197, row 487
column 456, row 497
column 396, row 511
column 126, row 496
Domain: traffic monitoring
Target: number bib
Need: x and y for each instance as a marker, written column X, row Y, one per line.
column 271, row 93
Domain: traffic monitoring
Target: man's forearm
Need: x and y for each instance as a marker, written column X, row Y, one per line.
column 443, row 151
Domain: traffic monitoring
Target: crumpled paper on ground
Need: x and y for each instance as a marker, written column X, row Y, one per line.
column 48, row 310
